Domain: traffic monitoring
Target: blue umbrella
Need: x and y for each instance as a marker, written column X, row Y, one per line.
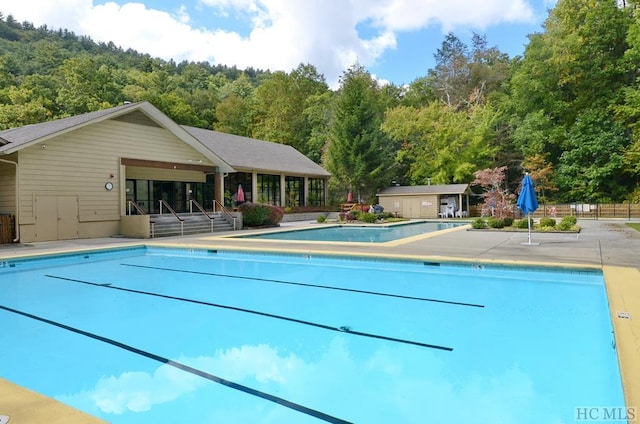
column 527, row 200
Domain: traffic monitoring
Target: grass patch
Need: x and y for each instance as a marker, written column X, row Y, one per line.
column 634, row 225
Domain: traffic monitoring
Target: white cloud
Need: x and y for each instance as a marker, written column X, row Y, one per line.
column 283, row 33
column 366, row 385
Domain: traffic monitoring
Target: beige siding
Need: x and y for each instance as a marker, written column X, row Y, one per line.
column 81, row 162
column 137, row 173
column 7, row 187
column 420, row 206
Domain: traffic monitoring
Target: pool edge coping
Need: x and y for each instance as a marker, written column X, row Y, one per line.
column 618, row 284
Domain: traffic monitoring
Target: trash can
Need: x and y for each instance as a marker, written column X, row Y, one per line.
column 6, row 228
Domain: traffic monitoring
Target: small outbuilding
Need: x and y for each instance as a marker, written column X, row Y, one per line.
column 426, row 201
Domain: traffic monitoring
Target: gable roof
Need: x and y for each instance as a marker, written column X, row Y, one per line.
column 425, row 189
column 228, row 151
column 252, row 154
column 15, row 139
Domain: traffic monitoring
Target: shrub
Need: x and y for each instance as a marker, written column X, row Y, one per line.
column 479, row 224
column 522, row 224
column 508, row 221
column 547, row 222
column 258, row 214
column 321, row 219
column 495, row 223
column 565, row 225
column 572, row 220
column 369, row 218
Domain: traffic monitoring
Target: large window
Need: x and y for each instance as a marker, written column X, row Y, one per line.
column 295, row 191
column 231, row 183
column 147, row 193
column 269, row 189
column 316, row 191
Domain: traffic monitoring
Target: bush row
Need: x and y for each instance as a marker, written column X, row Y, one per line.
column 566, row 224
column 260, row 215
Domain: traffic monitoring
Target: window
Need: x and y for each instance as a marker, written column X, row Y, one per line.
column 231, row 183
column 294, row 191
column 269, row 189
column 316, row 191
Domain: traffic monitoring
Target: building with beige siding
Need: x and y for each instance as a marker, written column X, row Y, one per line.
column 426, row 201
column 77, row 177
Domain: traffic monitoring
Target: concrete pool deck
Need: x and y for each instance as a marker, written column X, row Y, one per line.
column 603, row 244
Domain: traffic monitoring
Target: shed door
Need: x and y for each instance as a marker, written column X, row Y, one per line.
column 56, row 218
column 411, row 208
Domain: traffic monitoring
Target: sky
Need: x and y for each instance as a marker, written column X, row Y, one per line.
column 395, row 40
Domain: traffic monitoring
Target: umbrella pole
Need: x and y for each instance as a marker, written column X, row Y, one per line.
column 529, row 225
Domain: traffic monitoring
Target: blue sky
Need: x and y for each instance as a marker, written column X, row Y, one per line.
column 394, row 39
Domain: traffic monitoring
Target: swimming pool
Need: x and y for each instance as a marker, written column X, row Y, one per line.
column 146, row 335
column 357, row 233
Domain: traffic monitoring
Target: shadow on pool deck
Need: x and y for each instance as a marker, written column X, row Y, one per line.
column 606, row 244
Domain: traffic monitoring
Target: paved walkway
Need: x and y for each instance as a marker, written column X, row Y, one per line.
column 606, row 244
column 601, row 242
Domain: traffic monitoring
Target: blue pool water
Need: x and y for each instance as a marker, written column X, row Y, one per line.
column 154, row 335
column 354, row 233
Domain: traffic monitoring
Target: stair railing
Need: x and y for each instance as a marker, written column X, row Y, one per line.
column 201, row 209
column 225, row 211
column 130, row 204
column 170, row 209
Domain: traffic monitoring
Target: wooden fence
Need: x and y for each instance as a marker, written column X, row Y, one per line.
column 581, row 210
column 590, row 210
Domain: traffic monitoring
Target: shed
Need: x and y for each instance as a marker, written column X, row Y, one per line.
column 426, row 201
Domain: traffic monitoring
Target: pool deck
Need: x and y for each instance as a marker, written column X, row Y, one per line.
column 603, row 244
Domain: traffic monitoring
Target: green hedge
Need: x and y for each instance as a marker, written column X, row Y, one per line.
column 547, row 222
column 260, row 215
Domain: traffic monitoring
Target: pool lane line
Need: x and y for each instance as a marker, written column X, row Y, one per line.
column 268, row 280
column 231, row 384
column 343, row 329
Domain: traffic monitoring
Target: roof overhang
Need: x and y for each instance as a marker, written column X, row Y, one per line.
column 148, row 109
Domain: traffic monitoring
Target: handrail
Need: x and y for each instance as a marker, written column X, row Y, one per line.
column 225, row 211
column 170, row 209
column 135, row 206
column 199, row 206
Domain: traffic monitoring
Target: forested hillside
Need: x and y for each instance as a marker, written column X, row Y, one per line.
column 566, row 111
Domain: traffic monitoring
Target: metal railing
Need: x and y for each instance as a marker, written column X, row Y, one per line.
column 201, row 209
column 137, row 207
column 225, row 211
column 170, row 209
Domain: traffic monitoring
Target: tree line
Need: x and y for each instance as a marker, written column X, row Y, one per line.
column 566, row 111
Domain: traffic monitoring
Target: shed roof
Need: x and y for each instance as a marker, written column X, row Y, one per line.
column 425, row 189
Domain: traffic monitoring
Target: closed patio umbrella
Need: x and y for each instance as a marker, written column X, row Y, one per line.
column 528, row 201
column 240, row 195
column 350, row 197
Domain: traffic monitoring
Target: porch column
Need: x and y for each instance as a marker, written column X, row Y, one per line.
column 218, row 188
column 283, row 190
column 254, row 187
column 305, row 191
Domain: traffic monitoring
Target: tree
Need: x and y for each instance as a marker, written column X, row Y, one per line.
column 564, row 91
column 440, row 144
column 498, row 202
column 463, row 78
column 358, row 153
